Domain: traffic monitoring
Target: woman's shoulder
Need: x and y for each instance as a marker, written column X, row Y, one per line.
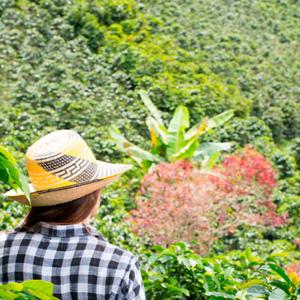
column 111, row 250
column 104, row 245
column 7, row 237
column 5, row 233
column 106, row 251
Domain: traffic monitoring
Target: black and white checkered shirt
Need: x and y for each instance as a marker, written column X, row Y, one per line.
column 80, row 264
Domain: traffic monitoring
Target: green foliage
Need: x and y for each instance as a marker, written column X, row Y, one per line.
column 242, row 130
column 296, row 150
column 11, row 174
column 176, row 141
column 29, row 289
column 78, row 64
column 251, row 44
column 11, row 213
column 173, row 273
column 283, row 160
column 177, row 273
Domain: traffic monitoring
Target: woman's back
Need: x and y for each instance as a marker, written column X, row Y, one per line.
column 81, row 265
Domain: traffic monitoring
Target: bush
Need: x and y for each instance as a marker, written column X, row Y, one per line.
column 178, row 202
column 177, row 272
column 242, row 130
column 296, row 150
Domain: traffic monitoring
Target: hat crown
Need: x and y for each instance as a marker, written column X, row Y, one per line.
column 52, row 144
column 60, row 158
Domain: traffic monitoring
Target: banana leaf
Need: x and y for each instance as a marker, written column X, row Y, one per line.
column 136, row 153
column 186, row 151
column 156, row 131
column 155, row 113
column 209, row 123
column 220, row 119
column 176, row 129
column 208, row 153
column 197, row 129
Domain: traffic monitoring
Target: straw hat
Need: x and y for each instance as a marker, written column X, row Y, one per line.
column 62, row 167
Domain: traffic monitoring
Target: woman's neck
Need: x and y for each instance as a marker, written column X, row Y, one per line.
column 84, row 222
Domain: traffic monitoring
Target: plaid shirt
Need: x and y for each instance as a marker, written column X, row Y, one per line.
column 79, row 264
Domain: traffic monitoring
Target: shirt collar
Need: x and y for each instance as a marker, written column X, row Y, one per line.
column 66, row 230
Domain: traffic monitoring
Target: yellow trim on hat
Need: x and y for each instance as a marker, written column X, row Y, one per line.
column 41, row 179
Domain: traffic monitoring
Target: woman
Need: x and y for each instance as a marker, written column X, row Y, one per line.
column 55, row 241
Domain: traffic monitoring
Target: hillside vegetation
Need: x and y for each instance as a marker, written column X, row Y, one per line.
column 251, row 44
column 82, row 64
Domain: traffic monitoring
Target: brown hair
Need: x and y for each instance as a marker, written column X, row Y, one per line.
column 70, row 212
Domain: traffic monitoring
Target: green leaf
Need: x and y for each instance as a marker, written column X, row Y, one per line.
column 187, row 151
column 16, row 177
column 15, row 286
column 228, row 272
column 207, row 152
column 41, row 295
column 176, row 290
column 26, row 295
column 155, row 113
column 250, row 283
column 42, row 286
column 136, row 153
column 160, row 130
column 281, row 273
column 177, row 126
column 220, row 295
column 180, row 120
column 278, row 294
column 7, row 295
column 4, row 175
column 282, row 285
column 220, row 119
column 209, row 123
column 209, row 282
column 7, row 155
column 257, row 290
column 197, row 129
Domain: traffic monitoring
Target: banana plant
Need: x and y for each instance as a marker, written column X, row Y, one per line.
column 175, row 141
column 11, row 174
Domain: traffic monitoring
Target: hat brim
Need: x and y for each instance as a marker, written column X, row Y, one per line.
column 54, row 196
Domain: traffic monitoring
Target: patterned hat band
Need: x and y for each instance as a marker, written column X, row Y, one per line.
column 67, row 168
column 63, row 159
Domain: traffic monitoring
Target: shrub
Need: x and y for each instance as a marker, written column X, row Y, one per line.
column 282, row 159
column 178, row 273
column 296, row 150
column 177, row 202
column 242, row 130
column 249, row 171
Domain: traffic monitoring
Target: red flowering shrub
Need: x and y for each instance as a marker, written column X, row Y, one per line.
column 177, row 202
column 249, row 171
